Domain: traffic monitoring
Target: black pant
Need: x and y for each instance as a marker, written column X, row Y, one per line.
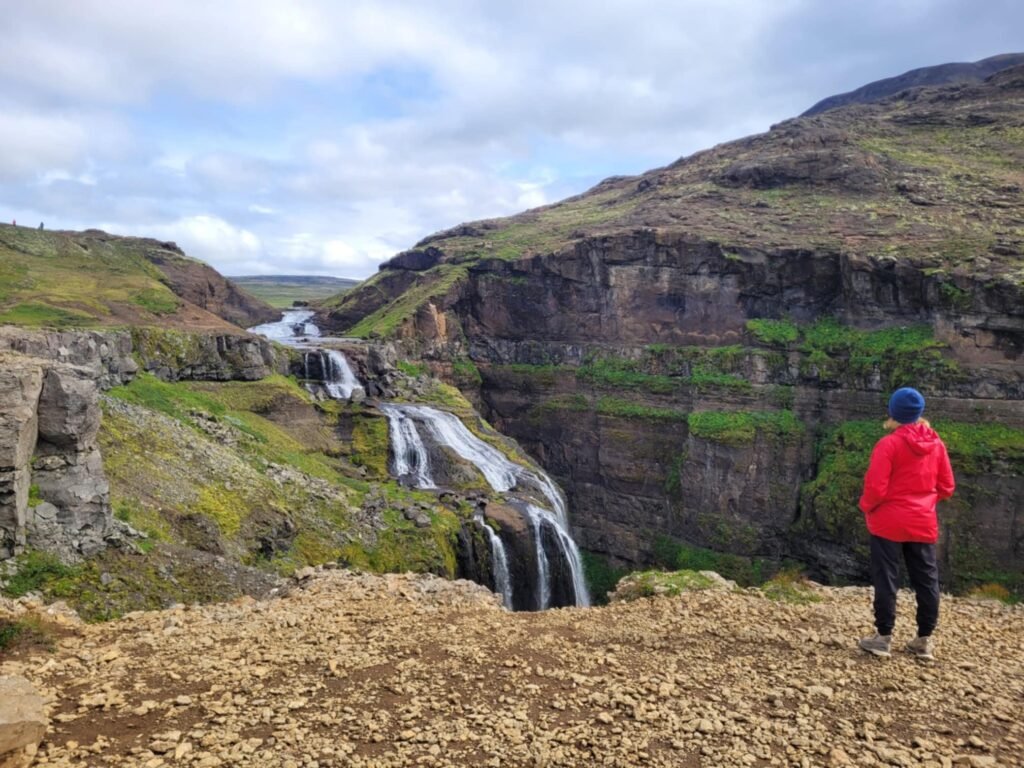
column 885, row 577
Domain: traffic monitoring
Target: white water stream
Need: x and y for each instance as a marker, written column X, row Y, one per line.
column 412, row 459
column 501, row 473
column 499, row 562
column 295, row 330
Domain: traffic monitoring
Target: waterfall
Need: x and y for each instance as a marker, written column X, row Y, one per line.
column 543, row 568
column 571, row 552
column 412, row 463
column 411, row 457
column 503, row 475
column 339, row 379
column 448, row 430
column 499, row 562
column 293, row 325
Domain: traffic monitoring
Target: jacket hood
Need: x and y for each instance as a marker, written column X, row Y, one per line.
column 921, row 439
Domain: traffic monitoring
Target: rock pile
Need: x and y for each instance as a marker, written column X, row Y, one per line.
column 358, row 670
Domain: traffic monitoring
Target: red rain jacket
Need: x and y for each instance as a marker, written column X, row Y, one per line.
column 909, row 473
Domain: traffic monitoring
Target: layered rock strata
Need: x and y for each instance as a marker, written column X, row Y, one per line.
column 52, row 486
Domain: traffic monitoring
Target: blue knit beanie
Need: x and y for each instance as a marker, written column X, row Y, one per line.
column 906, row 405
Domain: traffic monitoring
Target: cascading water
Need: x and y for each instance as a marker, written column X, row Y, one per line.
column 412, row 463
column 568, row 548
column 543, row 567
column 295, row 330
column 290, row 329
column 337, row 375
column 411, row 457
column 499, row 562
column 503, row 475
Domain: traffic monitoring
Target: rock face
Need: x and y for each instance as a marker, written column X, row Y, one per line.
column 203, row 286
column 20, row 386
column 106, row 355
column 23, row 722
column 175, row 355
column 703, row 353
column 48, row 451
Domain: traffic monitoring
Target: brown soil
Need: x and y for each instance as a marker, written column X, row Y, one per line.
column 359, row 670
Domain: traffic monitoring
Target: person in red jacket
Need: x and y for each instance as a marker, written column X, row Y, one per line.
column 908, row 475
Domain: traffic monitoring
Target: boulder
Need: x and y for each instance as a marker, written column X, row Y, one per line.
column 69, row 413
column 23, row 722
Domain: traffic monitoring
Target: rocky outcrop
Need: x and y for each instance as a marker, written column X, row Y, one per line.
column 23, row 722
column 175, row 355
column 203, row 286
column 53, row 490
column 106, row 355
column 20, row 385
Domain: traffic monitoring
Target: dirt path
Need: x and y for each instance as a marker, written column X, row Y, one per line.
column 358, row 670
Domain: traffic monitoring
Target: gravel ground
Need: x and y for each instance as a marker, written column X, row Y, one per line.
column 359, row 670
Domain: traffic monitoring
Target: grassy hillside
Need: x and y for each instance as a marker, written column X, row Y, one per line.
column 89, row 279
column 283, row 290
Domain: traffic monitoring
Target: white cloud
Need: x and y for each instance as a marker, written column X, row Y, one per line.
column 205, row 237
column 322, row 137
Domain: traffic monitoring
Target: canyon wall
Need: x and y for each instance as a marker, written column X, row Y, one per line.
column 611, row 362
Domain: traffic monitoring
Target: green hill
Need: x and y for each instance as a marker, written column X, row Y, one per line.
column 93, row 279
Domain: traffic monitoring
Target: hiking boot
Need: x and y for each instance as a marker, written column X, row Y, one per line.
column 922, row 647
column 877, row 645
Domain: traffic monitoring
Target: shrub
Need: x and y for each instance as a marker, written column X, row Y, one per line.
column 35, row 570
column 993, row 592
column 774, row 332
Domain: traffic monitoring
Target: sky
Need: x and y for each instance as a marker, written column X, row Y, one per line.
column 324, row 136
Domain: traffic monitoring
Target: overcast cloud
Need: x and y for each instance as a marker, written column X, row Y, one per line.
column 322, row 137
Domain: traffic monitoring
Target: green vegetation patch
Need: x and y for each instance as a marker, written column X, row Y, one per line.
column 664, row 370
column 35, row 569
column 466, row 373
column 370, row 442
column 36, row 314
column 745, row 571
column 624, row 374
column 774, row 332
column 432, row 284
column 27, row 630
column 410, row 368
column 788, row 586
column 159, row 301
column 666, row 583
column 66, row 280
column 904, row 356
column 601, row 575
column 976, row 448
column 742, row 427
column 402, row 546
column 610, row 406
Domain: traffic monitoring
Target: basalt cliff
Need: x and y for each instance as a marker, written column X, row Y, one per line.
column 701, row 355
